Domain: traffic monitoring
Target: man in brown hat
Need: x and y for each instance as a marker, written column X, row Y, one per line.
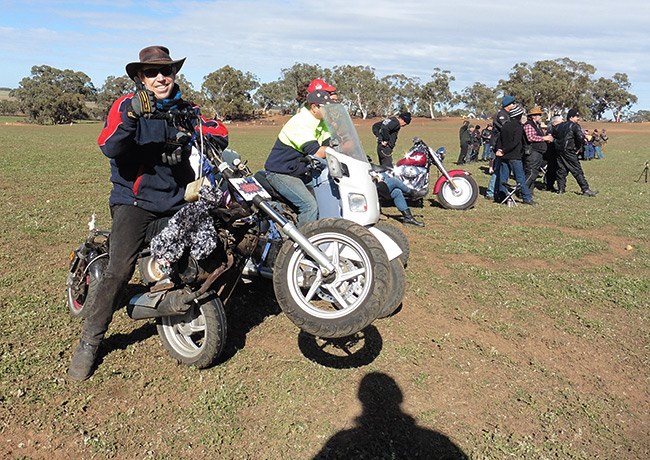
column 150, row 168
column 535, row 147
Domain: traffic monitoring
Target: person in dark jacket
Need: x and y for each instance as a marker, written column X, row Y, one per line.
column 536, row 144
column 569, row 138
column 550, row 156
column 502, row 116
column 510, row 150
column 150, row 169
column 486, row 138
column 386, row 133
column 465, row 137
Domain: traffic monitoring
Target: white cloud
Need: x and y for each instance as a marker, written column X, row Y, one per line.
column 476, row 41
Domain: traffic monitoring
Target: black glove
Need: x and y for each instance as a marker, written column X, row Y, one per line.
column 175, row 148
column 143, row 103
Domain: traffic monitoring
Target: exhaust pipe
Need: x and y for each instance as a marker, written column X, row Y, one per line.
column 156, row 304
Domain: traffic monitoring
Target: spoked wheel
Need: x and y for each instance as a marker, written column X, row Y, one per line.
column 198, row 337
column 81, row 287
column 344, row 302
column 462, row 197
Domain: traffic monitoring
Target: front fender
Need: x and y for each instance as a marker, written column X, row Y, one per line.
column 452, row 173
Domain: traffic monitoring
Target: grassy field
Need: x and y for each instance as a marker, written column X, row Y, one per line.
column 524, row 332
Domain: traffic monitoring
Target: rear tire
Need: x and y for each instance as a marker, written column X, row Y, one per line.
column 80, row 299
column 398, row 288
column 465, row 195
column 399, row 237
column 353, row 297
column 198, row 337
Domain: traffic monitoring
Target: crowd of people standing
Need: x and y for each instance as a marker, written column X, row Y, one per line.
column 518, row 143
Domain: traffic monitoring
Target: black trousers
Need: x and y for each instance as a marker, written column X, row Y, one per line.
column 532, row 168
column 550, row 156
column 385, row 155
column 132, row 227
column 464, row 154
column 567, row 162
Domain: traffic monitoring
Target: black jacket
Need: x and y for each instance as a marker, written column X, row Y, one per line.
column 500, row 119
column 386, row 131
column 568, row 137
column 511, row 140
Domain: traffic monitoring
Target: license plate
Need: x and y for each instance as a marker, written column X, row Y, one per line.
column 249, row 188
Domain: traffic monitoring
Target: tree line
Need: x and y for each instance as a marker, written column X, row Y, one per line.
column 57, row 96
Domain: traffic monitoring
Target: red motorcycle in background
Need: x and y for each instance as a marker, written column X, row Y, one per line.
column 456, row 189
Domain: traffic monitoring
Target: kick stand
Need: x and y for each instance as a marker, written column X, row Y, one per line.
column 646, row 166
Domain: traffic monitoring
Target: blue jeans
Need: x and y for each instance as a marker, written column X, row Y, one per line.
column 489, row 193
column 397, row 189
column 298, row 193
column 487, row 151
column 599, row 152
column 520, row 176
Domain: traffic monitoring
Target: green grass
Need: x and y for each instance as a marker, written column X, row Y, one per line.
column 523, row 334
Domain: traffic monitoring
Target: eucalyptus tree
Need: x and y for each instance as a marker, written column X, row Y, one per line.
column 228, row 92
column 480, row 99
column 437, row 94
column 612, row 94
column 359, row 88
column 112, row 89
column 404, row 91
column 53, row 95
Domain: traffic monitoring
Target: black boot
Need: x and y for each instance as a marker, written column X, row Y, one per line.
column 410, row 220
column 83, row 360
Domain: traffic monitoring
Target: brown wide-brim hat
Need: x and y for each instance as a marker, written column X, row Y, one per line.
column 152, row 55
column 534, row 111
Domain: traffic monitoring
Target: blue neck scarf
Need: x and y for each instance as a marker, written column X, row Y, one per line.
column 172, row 101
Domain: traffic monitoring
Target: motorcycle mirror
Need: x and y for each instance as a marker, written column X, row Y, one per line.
column 335, row 168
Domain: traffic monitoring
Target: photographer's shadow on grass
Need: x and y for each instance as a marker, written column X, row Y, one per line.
column 383, row 431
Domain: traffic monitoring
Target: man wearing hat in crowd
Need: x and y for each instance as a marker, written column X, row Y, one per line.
column 386, row 133
column 569, row 138
column 288, row 167
column 535, row 147
column 150, row 169
column 502, row 116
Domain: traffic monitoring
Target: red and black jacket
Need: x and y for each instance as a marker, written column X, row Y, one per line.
column 135, row 148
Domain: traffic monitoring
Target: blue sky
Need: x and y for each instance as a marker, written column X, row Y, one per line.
column 476, row 41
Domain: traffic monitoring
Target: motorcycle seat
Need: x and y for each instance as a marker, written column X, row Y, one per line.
column 379, row 168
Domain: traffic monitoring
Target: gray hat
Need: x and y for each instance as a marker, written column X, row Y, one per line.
column 516, row 111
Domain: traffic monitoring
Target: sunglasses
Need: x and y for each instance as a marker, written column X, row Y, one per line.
column 165, row 70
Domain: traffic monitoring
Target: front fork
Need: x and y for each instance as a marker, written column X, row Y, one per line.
column 289, row 229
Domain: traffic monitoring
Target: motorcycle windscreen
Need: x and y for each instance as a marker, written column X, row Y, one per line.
column 344, row 136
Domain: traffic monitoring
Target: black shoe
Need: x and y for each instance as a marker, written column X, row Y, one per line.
column 531, row 203
column 410, row 220
column 589, row 192
column 83, row 360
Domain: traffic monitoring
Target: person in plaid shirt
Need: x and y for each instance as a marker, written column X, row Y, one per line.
column 535, row 147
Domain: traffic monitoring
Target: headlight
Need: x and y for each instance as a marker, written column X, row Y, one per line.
column 357, row 202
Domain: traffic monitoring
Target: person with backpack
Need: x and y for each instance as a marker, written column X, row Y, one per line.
column 386, row 133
